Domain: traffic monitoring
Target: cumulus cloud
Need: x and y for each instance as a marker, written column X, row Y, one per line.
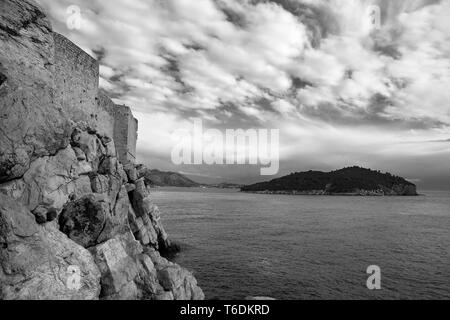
column 275, row 63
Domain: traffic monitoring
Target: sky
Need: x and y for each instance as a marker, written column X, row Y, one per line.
column 340, row 90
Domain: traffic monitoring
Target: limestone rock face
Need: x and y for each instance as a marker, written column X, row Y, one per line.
column 90, row 145
column 74, row 222
column 117, row 266
column 36, row 261
column 27, row 89
column 174, row 279
column 145, row 218
column 128, row 272
column 106, row 213
column 117, row 217
column 104, row 210
column 50, row 181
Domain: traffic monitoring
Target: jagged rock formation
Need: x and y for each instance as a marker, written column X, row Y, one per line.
column 76, row 218
column 347, row 181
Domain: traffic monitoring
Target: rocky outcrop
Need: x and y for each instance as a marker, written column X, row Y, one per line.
column 75, row 223
column 36, row 260
column 132, row 271
column 93, row 212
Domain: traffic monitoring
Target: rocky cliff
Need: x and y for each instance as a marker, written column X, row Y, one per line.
column 76, row 218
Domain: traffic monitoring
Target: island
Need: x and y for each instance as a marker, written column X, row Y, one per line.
column 347, row 181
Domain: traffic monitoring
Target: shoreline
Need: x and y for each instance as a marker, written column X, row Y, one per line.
column 323, row 193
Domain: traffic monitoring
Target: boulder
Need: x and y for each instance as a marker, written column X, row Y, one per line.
column 175, row 279
column 83, row 220
column 180, row 282
column 117, row 266
column 40, row 262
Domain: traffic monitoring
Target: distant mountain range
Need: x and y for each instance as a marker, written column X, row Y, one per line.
column 158, row 178
column 351, row 181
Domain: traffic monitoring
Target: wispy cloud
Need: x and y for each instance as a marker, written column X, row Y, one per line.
column 316, row 66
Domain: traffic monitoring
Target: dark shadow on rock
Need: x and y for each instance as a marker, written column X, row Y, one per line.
column 170, row 250
column 2, row 78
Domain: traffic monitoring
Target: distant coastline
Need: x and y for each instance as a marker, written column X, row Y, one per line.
column 156, row 178
column 361, row 193
column 351, row 181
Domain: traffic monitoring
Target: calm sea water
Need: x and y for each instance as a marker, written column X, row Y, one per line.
column 310, row 247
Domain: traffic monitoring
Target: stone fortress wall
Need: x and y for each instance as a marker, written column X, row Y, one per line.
column 56, row 81
column 125, row 128
column 77, row 92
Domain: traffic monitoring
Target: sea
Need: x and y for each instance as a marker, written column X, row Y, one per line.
column 310, row 247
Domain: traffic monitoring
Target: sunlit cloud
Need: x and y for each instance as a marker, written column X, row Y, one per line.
column 317, row 70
